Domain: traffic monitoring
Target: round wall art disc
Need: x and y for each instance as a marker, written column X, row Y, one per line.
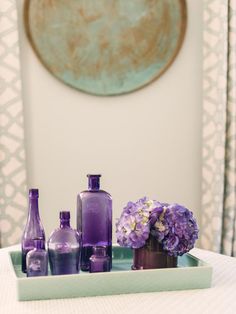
column 106, row 47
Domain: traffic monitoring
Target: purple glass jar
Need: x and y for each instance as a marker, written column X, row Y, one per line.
column 64, row 248
column 99, row 261
column 94, row 220
column 33, row 229
column 37, row 260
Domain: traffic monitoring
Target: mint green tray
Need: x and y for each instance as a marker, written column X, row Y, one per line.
column 191, row 273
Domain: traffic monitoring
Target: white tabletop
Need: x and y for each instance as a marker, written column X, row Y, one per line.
column 221, row 298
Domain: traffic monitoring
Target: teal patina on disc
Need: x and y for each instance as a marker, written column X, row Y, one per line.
column 106, row 47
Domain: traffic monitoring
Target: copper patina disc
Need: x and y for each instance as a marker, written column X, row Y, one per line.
column 106, row 47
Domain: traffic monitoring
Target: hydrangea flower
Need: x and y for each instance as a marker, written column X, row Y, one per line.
column 172, row 225
column 133, row 228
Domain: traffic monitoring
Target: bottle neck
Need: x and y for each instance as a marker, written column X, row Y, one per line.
column 64, row 223
column 33, row 208
column 94, row 183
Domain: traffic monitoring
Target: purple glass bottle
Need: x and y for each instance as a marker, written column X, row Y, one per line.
column 64, row 248
column 37, row 260
column 33, row 229
column 99, row 261
column 94, row 220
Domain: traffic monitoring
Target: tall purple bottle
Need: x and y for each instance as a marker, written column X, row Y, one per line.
column 33, row 229
column 94, row 220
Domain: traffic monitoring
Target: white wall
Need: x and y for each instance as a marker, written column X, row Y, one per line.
column 144, row 143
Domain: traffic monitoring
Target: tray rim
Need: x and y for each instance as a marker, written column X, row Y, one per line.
column 204, row 265
column 197, row 276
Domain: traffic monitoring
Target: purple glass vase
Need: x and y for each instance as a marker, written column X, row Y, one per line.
column 151, row 256
column 94, row 220
column 64, row 248
column 99, row 261
column 37, row 260
column 33, row 229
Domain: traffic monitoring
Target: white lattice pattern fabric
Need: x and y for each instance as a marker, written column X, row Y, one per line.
column 219, row 127
column 12, row 152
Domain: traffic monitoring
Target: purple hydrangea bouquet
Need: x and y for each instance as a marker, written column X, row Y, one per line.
column 173, row 226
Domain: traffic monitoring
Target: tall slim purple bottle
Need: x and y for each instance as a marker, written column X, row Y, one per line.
column 94, row 220
column 33, row 229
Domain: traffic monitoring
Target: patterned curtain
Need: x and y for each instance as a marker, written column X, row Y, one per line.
column 12, row 152
column 218, row 229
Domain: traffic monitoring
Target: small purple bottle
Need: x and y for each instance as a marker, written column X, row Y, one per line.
column 33, row 229
column 99, row 261
column 94, row 220
column 37, row 260
column 64, row 248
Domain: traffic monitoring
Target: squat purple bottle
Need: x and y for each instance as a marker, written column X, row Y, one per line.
column 94, row 220
column 64, row 248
